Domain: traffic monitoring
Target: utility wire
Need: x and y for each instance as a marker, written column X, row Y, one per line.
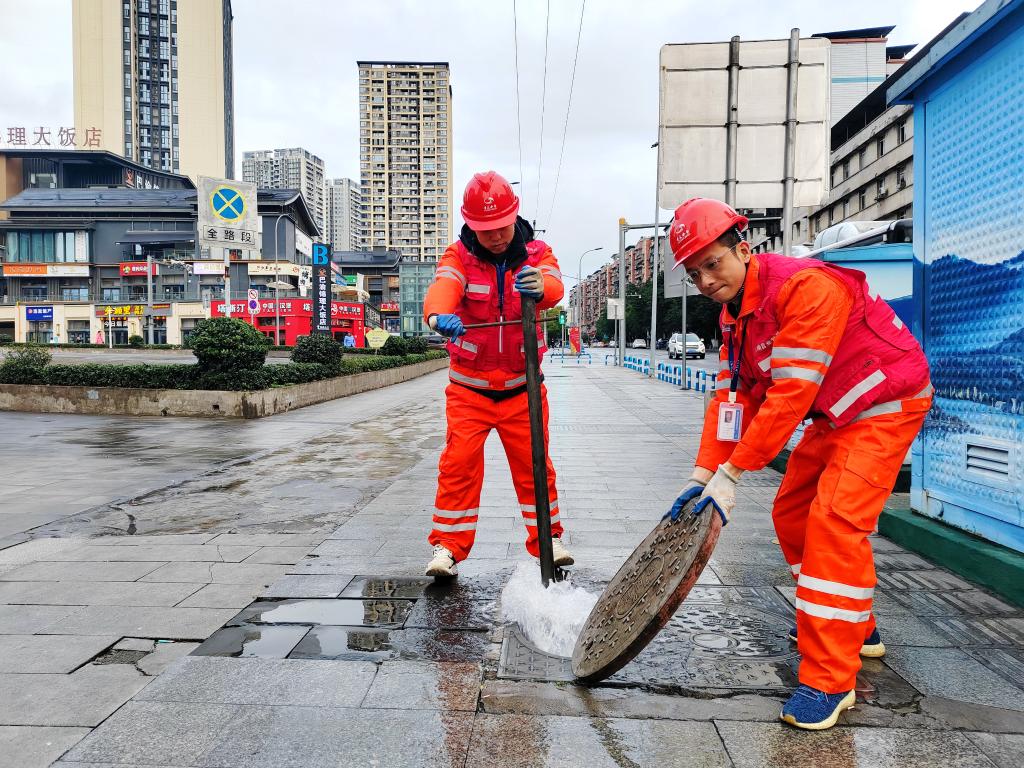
column 543, row 100
column 519, row 120
column 568, row 109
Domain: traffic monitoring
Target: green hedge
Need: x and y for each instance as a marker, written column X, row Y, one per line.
column 181, row 376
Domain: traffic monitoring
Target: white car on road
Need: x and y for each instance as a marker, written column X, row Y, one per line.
column 694, row 346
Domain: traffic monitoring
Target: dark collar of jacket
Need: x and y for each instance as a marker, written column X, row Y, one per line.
column 513, row 257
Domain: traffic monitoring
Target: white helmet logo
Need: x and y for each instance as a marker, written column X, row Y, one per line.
column 680, row 230
column 489, row 204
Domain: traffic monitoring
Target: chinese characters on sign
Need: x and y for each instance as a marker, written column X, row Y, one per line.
column 228, row 216
column 230, row 238
column 321, row 288
column 42, row 136
column 132, row 310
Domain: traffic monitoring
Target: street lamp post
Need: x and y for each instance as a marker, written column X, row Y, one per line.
column 656, row 267
column 579, row 293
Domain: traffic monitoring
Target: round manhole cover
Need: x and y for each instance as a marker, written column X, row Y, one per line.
column 641, row 598
column 731, row 631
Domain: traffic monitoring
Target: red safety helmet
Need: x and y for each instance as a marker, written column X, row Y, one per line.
column 699, row 222
column 489, row 202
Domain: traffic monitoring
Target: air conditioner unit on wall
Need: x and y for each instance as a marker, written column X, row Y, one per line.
column 882, row 193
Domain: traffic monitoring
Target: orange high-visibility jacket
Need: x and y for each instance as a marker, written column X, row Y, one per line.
column 489, row 358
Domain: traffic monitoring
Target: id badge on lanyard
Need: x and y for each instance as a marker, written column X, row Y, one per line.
column 730, row 415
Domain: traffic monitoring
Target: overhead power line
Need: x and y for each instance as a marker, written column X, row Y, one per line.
column 568, row 109
column 543, row 100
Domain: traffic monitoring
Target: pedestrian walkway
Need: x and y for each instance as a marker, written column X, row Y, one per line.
column 351, row 658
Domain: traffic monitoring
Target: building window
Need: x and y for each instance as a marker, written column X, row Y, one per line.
column 78, row 331
column 862, row 158
column 880, row 144
column 862, row 199
column 846, row 169
column 901, row 132
column 846, row 208
column 880, row 189
column 831, row 216
column 901, row 177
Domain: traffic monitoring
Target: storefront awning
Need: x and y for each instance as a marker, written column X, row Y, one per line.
column 156, row 236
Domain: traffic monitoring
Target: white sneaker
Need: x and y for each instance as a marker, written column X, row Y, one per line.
column 443, row 563
column 560, row 554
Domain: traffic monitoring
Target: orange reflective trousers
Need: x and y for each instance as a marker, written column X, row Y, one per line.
column 471, row 417
column 836, row 483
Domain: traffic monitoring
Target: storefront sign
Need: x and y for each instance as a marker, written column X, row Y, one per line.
column 303, row 244
column 132, row 310
column 39, row 314
column 269, row 268
column 136, row 268
column 321, row 288
column 377, row 337
column 389, row 306
column 46, row 270
column 54, row 137
column 208, row 268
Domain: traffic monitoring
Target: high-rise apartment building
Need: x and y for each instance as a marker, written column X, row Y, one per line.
column 154, row 78
column 294, row 168
column 344, row 215
column 405, row 156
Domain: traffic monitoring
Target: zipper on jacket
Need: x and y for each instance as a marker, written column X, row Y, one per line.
column 500, row 269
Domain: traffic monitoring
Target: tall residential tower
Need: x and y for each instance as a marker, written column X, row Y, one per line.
column 405, row 156
column 344, row 215
column 155, row 78
column 294, row 168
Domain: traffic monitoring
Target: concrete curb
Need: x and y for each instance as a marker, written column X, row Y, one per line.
column 990, row 565
column 113, row 401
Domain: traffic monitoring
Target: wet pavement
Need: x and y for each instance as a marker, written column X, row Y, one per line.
column 287, row 575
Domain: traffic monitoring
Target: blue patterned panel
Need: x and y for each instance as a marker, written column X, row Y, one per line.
column 973, row 292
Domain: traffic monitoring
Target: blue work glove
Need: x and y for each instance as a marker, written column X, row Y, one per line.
column 720, row 493
column 693, row 489
column 530, row 282
column 447, row 325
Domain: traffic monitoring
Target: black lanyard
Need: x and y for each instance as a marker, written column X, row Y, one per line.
column 734, row 368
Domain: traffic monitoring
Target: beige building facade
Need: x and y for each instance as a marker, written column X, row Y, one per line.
column 156, row 78
column 405, row 157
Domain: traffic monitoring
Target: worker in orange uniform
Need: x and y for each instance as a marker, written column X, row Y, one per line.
column 480, row 279
column 805, row 340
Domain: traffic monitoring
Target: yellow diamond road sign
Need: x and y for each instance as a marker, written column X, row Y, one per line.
column 377, row 337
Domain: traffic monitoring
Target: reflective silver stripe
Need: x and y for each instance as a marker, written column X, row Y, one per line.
column 792, row 372
column 802, row 353
column 865, row 385
column 454, row 528
column 897, row 322
column 828, row 612
column 723, row 364
column 531, row 522
column 449, row 514
column 765, row 364
column 533, row 509
column 456, row 376
column 451, row 273
column 478, row 288
column 553, row 271
column 834, row 587
column 466, row 345
column 795, row 569
column 894, row 406
column 516, row 381
column 924, row 392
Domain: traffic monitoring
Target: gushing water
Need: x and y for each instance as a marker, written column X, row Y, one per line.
column 552, row 618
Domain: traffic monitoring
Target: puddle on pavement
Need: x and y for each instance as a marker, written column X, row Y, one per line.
column 332, row 611
column 345, row 643
column 375, row 586
column 251, row 640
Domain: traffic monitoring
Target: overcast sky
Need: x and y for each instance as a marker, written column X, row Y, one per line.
column 296, row 83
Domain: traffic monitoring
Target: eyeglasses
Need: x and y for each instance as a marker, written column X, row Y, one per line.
column 711, row 268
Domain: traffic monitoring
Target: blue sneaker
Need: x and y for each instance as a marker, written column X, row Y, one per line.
column 814, row 710
column 873, row 647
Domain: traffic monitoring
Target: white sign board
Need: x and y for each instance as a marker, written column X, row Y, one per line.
column 615, row 311
column 228, row 216
column 673, row 280
column 281, row 268
column 208, row 268
column 693, row 118
column 303, row 243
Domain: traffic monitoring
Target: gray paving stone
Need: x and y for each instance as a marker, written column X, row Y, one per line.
column 300, row 682
column 301, row 737
column 127, row 593
column 278, row 555
column 523, row 741
column 222, row 596
column 205, row 553
column 165, row 540
column 953, row 674
column 268, row 539
column 23, row 746
column 84, row 698
column 28, row 619
column 349, row 547
column 99, row 571
column 1005, row 750
column 163, row 655
column 169, row 623
column 755, row 745
column 135, row 644
column 154, row 733
column 50, row 653
column 218, row 573
column 307, row 586
column 425, row 685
